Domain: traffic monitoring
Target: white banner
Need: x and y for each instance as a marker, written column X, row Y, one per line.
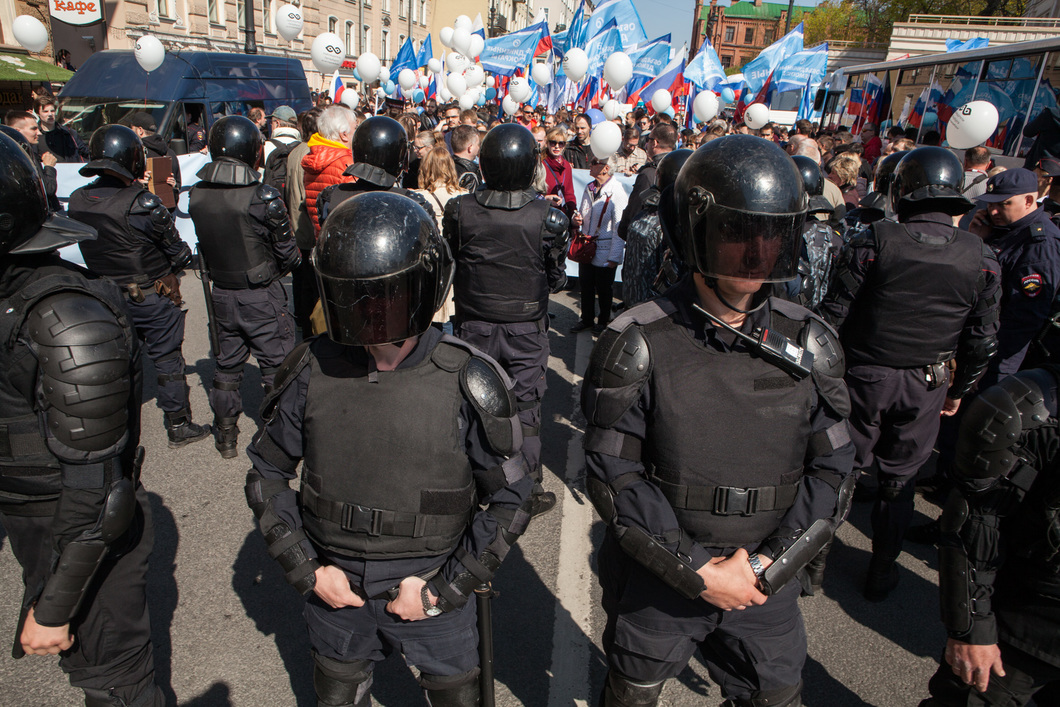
column 76, row 12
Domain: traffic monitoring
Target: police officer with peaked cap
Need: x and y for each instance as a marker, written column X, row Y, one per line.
column 419, row 500
column 716, row 445
column 246, row 240
column 380, row 156
column 510, row 247
column 908, row 298
column 75, row 515
column 140, row 250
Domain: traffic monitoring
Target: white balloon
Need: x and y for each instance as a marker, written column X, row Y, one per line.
column 384, row 73
column 380, row 92
column 971, row 125
column 477, row 45
column 149, row 52
column 456, row 63
column 575, row 64
column 424, row 82
column 407, row 79
column 706, row 106
column 605, row 139
column 30, row 33
column 463, row 22
column 446, row 35
column 541, row 74
column 468, row 100
column 289, row 21
column 475, row 76
column 618, row 70
column 462, row 41
column 443, row 93
column 510, row 106
column 661, row 100
column 519, row 89
column 328, row 52
column 350, row 98
column 456, row 84
column 756, row 115
column 435, row 65
column 490, row 82
column 368, row 67
column 612, row 109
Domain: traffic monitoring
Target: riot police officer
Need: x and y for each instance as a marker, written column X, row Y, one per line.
column 715, row 441
column 380, row 156
column 388, row 517
column 510, row 247
column 246, row 246
column 140, row 250
column 71, row 505
column 998, row 564
column 908, row 298
column 820, row 242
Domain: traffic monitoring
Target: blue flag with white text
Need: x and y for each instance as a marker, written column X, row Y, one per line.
column 503, row 55
column 705, row 70
column 425, row 53
column 406, row 58
column 757, row 71
column 808, row 65
column 625, row 16
column 649, row 59
column 602, row 46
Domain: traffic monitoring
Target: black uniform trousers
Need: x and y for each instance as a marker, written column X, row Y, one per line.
column 160, row 325
column 1025, row 677
column 596, row 283
column 249, row 321
column 522, row 350
column 112, row 651
column 652, row 632
column 894, row 420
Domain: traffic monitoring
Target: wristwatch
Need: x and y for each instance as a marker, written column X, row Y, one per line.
column 428, row 608
column 756, row 565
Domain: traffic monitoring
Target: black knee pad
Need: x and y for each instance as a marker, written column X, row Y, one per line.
column 892, row 492
column 149, row 696
column 340, row 684
column 620, row 691
column 460, row 690
column 789, row 696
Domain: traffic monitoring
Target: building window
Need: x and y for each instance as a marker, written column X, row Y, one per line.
column 267, row 20
column 349, row 37
column 384, row 44
column 401, row 9
column 366, row 38
column 240, row 14
column 749, row 35
column 771, row 34
column 726, row 61
column 423, row 12
column 211, row 11
column 730, row 34
column 163, row 8
column 386, row 5
column 412, row 8
column 333, row 23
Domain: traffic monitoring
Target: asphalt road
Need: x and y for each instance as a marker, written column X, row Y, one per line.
column 227, row 629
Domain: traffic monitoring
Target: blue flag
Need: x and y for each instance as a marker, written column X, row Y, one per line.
column 577, row 33
column 806, row 104
column 406, row 58
column 601, row 46
column 956, row 45
column 649, row 59
column 426, row 52
column 503, row 55
column 807, row 66
column 705, row 71
column 625, row 16
column 757, row 71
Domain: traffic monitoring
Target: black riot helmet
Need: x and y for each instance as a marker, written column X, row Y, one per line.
column 813, row 182
column 669, row 167
column 884, row 176
column 380, row 151
column 738, row 211
column 115, row 148
column 238, row 138
column 929, row 179
column 508, row 158
column 16, row 136
column 382, row 268
column 26, row 225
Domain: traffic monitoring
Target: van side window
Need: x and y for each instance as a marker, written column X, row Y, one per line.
column 192, row 125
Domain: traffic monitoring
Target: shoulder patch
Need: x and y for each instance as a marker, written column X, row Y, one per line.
column 287, row 372
column 1031, row 284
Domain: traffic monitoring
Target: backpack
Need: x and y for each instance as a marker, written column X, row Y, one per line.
column 275, row 173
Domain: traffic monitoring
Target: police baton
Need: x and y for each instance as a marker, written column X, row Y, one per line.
column 483, row 603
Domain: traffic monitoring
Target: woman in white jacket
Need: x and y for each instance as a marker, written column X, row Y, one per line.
column 601, row 210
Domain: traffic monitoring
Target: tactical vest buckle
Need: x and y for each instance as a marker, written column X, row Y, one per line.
column 358, row 519
column 730, row 501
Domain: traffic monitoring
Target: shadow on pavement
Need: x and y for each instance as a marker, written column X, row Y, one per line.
column 219, row 695
column 163, row 593
column 819, row 689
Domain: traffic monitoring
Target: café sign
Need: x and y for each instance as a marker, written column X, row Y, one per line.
column 76, row 12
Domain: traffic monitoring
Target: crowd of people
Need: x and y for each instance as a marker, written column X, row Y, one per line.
column 842, row 305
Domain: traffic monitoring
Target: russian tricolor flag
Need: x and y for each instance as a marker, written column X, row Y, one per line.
column 672, row 78
column 337, row 87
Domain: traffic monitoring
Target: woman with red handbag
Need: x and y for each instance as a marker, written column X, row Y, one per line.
column 601, row 210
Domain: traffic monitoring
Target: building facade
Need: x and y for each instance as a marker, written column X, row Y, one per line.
column 740, row 31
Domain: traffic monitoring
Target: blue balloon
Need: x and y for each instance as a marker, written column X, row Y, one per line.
column 481, row 100
column 356, row 76
column 728, row 95
column 419, row 110
column 491, row 93
column 930, row 119
column 418, row 95
column 596, row 116
column 390, row 87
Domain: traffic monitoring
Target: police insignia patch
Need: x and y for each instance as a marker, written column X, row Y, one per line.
column 1031, row 284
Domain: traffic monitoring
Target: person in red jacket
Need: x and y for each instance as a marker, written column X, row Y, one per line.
column 329, row 155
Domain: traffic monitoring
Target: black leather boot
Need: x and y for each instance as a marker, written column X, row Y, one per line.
column 181, row 429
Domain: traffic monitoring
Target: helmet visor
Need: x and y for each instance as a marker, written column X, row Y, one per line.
column 381, row 310
column 745, row 245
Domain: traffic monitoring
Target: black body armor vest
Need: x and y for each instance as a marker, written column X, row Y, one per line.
column 500, row 267
column 120, row 253
column 372, row 490
column 236, row 245
column 29, row 472
column 704, row 402
column 912, row 309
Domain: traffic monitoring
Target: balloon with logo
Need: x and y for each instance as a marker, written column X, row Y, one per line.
column 605, row 139
column 289, row 21
column 510, row 107
column 706, row 106
column 612, row 109
column 618, row 70
column 972, row 124
column 349, row 98
column 328, row 53
column 661, row 100
column 407, row 79
column 33, row 35
column 519, row 89
column 368, row 67
column 756, row 115
column 575, row 64
column 456, row 84
column 475, row 76
column 541, row 74
column 456, row 63
column 728, row 95
column 434, row 65
column 149, row 53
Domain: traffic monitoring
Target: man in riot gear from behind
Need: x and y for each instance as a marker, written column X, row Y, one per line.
column 420, row 498
column 820, row 242
column 510, row 248
column 76, row 517
column 246, row 241
column 140, row 250
column 704, row 511
column 908, row 298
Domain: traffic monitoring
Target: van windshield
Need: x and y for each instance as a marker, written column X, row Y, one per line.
column 86, row 114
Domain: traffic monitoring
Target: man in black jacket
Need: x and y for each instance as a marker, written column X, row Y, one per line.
column 143, row 124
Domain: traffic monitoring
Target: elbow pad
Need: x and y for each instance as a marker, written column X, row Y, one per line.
column 972, row 360
column 283, row 544
column 277, row 219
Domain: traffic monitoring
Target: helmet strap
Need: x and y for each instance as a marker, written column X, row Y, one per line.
column 712, row 283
